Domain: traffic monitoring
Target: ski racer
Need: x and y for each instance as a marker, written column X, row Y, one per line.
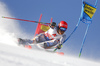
column 55, row 36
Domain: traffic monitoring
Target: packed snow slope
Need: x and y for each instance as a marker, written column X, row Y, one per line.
column 19, row 56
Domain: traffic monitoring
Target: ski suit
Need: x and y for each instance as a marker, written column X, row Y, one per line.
column 51, row 37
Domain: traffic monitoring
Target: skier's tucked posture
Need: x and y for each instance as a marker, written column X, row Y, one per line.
column 55, row 36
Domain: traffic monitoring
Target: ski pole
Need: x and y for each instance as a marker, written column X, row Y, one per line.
column 25, row 20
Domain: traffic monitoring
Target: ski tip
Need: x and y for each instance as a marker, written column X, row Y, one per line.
column 28, row 46
column 60, row 53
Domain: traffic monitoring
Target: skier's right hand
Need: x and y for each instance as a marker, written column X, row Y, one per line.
column 52, row 25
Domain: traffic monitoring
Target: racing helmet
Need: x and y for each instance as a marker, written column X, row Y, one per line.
column 63, row 25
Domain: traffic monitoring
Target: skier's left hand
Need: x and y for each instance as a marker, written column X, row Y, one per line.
column 59, row 46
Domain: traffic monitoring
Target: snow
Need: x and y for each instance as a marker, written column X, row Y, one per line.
column 13, row 55
column 20, row 56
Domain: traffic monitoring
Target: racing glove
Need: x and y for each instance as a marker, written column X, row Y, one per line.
column 59, row 46
column 52, row 25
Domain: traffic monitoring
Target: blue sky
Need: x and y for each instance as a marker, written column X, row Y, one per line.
column 67, row 10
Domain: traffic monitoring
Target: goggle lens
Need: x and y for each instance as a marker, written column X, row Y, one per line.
column 63, row 29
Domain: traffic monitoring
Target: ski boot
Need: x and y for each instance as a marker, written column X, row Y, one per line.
column 24, row 41
column 48, row 45
column 21, row 42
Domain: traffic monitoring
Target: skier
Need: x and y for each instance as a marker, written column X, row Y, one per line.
column 55, row 36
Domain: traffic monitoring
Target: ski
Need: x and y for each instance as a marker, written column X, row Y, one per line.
column 38, row 46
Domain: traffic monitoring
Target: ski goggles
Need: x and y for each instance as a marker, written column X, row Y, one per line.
column 63, row 29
